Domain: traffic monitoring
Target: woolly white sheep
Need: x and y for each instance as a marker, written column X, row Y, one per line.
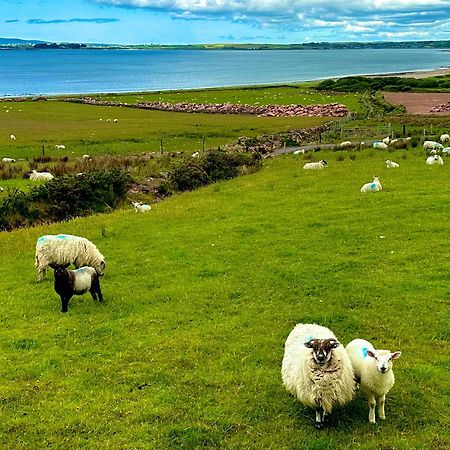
column 86, row 156
column 12, row 137
column 61, row 249
column 1, row 189
column 317, row 370
column 115, row 120
column 386, row 140
column 375, row 186
column 299, row 152
column 75, row 282
column 8, row 160
column 444, row 137
column 432, row 145
column 345, row 144
column 316, row 165
column 435, row 159
column 391, row 164
column 446, row 150
column 195, row 155
column 373, row 370
column 141, row 207
column 379, row 145
column 35, row 176
column 60, row 147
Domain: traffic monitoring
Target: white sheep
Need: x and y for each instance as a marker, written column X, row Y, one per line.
column 299, row 152
column 115, row 120
column 1, row 189
column 391, row 164
column 317, row 370
column 64, row 248
column 375, row 186
column 373, row 370
column 8, row 160
column 435, row 159
column 60, row 147
column 12, row 137
column 432, row 145
column 141, row 207
column 444, row 137
column 386, row 140
column 37, row 176
column 195, row 155
column 446, row 150
column 316, row 165
column 379, row 145
column 345, row 144
column 86, row 156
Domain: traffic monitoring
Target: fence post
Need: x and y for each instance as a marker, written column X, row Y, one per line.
column 43, row 151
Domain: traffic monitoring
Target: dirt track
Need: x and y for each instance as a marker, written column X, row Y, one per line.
column 418, row 103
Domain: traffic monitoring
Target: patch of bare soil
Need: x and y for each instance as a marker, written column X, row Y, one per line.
column 419, row 102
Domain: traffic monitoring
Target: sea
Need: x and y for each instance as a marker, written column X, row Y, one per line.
column 55, row 72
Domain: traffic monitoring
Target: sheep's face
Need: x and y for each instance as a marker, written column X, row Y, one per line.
column 60, row 271
column 322, row 349
column 102, row 268
column 383, row 359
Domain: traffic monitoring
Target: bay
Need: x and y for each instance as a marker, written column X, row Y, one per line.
column 55, row 72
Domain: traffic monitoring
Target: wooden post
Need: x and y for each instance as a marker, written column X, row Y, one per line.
column 203, row 143
column 43, row 151
column 161, row 147
column 404, row 130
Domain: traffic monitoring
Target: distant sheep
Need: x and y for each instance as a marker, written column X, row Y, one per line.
column 316, row 165
column 1, row 189
column 345, row 144
column 444, row 137
column 141, row 207
column 435, row 159
column 375, row 186
column 299, row 152
column 75, row 282
column 12, row 137
column 8, row 160
column 317, row 370
column 379, row 145
column 38, row 176
column 195, row 155
column 391, row 164
column 432, row 145
column 386, row 140
column 373, row 370
column 86, row 156
column 64, row 248
column 60, row 147
column 115, row 120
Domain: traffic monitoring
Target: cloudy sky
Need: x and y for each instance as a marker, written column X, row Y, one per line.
column 209, row 21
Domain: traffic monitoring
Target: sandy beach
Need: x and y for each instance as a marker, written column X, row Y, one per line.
column 418, row 74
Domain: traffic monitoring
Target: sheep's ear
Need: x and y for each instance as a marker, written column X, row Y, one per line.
column 65, row 266
column 396, row 355
column 370, row 353
column 309, row 344
column 53, row 266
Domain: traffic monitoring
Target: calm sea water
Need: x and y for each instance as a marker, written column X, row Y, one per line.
column 35, row 72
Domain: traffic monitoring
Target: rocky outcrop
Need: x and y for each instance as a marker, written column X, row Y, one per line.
column 329, row 110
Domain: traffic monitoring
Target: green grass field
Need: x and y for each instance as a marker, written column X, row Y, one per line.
column 201, row 294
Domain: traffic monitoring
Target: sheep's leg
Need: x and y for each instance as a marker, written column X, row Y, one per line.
column 65, row 304
column 319, row 419
column 95, row 290
column 381, row 401
column 372, row 404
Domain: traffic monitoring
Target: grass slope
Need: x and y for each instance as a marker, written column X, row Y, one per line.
column 200, row 296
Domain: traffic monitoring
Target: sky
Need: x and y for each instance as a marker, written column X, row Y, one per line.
column 224, row 21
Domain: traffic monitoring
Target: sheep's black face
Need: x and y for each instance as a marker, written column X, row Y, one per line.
column 322, row 349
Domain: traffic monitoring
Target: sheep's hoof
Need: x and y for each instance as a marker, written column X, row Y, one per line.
column 319, row 425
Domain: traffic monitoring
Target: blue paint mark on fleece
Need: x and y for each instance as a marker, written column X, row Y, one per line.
column 373, row 186
column 364, row 351
column 308, row 339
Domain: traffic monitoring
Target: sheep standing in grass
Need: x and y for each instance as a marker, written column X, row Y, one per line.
column 375, row 186
column 60, row 147
column 345, row 144
column 444, row 137
column 141, row 207
column 8, row 160
column 61, row 249
column 316, row 165
column 317, row 370
column 373, row 370
column 391, row 164
column 40, row 176
column 432, row 145
column 12, row 137
column 435, row 159
column 75, row 282
column 380, row 145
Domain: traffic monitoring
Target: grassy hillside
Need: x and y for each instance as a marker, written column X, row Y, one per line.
column 200, row 296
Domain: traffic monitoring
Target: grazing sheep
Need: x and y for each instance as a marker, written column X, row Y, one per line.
column 379, row 145
column 316, row 165
column 432, row 145
column 75, row 282
column 8, row 160
column 115, row 120
column 195, row 155
column 64, row 248
column 345, row 144
column 444, row 137
column 37, row 176
column 141, row 207
column 373, row 370
column 60, row 147
column 375, row 186
column 386, row 140
column 12, row 137
column 1, row 189
column 86, row 156
column 446, row 150
column 299, row 152
column 317, row 370
column 391, row 164
column 435, row 159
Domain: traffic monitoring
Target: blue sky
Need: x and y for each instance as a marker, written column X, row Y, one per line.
column 209, row 21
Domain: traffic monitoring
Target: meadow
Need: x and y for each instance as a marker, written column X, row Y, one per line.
column 201, row 294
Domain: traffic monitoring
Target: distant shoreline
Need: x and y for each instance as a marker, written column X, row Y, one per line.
column 413, row 74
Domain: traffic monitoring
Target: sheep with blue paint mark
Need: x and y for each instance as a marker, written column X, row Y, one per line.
column 373, row 370
column 317, row 370
column 61, row 249
column 375, row 186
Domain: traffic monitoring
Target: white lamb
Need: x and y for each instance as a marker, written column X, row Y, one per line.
column 373, row 370
column 60, row 147
column 345, row 144
column 195, row 155
column 64, row 248
column 141, row 207
column 86, row 156
column 36, row 176
column 391, row 164
column 8, row 160
column 317, row 370
column 379, row 145
column 435, row 159
column 316, row 165
column 432, row 145
column 444, row 137
column 299, row 152
column 386, row 140
column 375, row 186
column 12, row 137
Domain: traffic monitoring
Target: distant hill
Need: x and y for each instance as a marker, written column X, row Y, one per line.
column 14, row 41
